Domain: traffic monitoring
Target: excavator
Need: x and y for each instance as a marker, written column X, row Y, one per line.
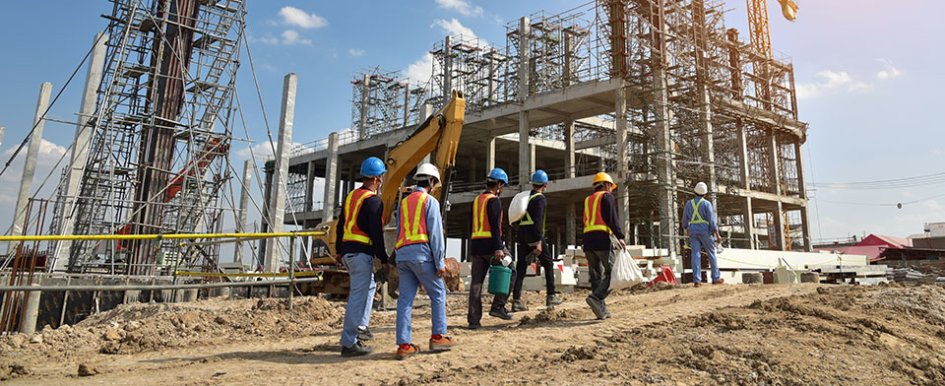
column 438, row 137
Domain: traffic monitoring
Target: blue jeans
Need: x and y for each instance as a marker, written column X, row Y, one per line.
column 360, row 297
column 698, row 242
column 412, row 275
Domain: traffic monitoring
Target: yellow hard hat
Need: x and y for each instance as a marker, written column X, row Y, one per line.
column 603, row 177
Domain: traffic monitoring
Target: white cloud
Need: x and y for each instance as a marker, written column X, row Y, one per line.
column 300, row 18
column 461, row 6
column 830, row 81
column 454, row 28
column 292, row 37
column 263, row 151
column 419, row 72
column 356, row 52
column 889, row 71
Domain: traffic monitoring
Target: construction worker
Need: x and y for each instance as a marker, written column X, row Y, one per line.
column 699, row 224
column 531, row 244
column 421, row 260
column 600, row 222
column 487, row 248
column 360, row 240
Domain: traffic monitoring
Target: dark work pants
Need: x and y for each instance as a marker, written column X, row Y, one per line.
column 600, row 265
column 480, row 267
column 521, row 267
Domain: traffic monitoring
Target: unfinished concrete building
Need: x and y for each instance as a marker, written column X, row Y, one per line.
column 659, row 93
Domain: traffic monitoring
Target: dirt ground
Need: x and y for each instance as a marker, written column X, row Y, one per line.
column 746, row 335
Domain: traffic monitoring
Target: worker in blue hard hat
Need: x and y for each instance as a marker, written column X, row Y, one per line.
column 699, row 224
column 531, row 244
column 486, row 247
column 360, row 239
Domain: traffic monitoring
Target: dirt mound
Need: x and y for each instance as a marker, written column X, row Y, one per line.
column 136, row 328
column 550, row 315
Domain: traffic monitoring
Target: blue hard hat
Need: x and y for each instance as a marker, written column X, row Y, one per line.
column 539, row 177
column 373, row 167
column 498, row 174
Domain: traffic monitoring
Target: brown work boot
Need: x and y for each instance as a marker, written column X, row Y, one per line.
column 444, row 343
column 720, row 281
column 405, row 351
column 697, row 285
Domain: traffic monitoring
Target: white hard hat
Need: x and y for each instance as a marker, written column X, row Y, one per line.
column 701, row 189
column 427, row 170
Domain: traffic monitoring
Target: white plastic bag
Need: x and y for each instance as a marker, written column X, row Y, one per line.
column 625, row 273
column 519, row 206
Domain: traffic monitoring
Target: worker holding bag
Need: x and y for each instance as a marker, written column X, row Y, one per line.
column 600, row 222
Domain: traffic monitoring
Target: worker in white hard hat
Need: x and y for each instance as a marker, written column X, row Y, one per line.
column 421, row 261
column 699, row 223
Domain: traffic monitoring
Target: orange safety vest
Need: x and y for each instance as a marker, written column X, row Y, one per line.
column 413, row 219
column 593, row 219
column 352, row 209
column 481, row 228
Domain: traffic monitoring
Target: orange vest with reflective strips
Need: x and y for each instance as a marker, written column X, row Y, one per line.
column 352, row 209
column 413, row 219
column 593, row 219
column 481, row 228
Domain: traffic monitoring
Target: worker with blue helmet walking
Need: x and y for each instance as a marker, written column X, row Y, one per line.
column 486, row 247
column 531, row 246
column 699, row 224
column 360, row 239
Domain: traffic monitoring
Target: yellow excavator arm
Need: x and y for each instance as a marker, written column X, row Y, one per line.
column 437, row 136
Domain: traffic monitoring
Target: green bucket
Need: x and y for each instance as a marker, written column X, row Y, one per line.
column 499, row 278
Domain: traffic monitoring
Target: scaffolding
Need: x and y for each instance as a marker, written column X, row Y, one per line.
column 159, row 148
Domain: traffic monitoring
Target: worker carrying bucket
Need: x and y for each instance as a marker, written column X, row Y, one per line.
column 488, row 250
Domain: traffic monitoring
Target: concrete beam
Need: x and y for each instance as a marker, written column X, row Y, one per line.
column 281, row 172
column 244, row 208
column 29, row 166
column 80, row 148
column 331, row 177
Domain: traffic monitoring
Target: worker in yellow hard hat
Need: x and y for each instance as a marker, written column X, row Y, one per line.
column 600, row 222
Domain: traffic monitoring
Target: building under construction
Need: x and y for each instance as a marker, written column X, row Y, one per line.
column 659, row 93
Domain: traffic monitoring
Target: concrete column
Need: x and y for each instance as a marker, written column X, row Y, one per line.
column 80, row 148
column 281, row 172
column 749, row 223
column 570, row 223
column 569, row 170
column 29, row 167
column 267, row 197
column 244, row 208
column 365, row 102
column 524, row 65
column 805, row 226
column 406, row 104
column 705, row 112
column 664, row 164
column 775, row 172
column 31, row 312
column 331, row 179
column 309, row 202
column 524, row 150
column 805, row 229
column 447, row 67
column 490, row 155
column 622, row 175
column 745, row 177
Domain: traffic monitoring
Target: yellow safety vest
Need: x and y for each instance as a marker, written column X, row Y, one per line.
column 593, row 218
column 352, row 209
column 696, row 217
column 413, row 221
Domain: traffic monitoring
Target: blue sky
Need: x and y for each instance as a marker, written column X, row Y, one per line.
column 869, row 76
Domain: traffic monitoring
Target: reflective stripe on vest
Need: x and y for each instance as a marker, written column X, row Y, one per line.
column 351, row 230
column 413, row 219
column 696, row 217
column 593, row 219
column 528, row 218
column 482, row 229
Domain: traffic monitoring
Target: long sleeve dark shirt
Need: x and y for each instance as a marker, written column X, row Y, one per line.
column 600, row 241
column 369, row 220
column 494, row 216
column 536, row 211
